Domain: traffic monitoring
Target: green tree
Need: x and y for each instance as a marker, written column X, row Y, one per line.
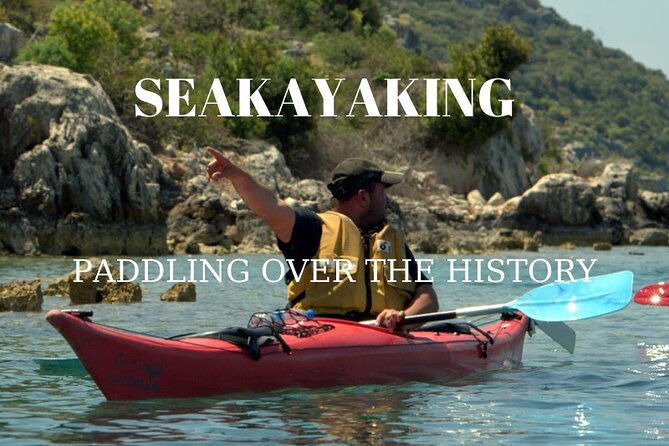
column 501, row 51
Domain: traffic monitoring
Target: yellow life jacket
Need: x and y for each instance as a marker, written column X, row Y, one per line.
column 343, row 247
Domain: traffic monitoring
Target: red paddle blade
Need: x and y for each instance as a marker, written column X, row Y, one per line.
column 655, row 294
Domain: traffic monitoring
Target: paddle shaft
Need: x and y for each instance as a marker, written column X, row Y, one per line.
column 454, row 314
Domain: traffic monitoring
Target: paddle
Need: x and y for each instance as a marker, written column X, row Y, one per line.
column 554, row 302
column 560, row 333
column 654, row 294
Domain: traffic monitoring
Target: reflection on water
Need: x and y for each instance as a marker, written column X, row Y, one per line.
column 658, row 356
column 654, row 358
column 349, row 415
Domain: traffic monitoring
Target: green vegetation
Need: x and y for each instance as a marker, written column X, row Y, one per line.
column 498, row 54
column 579, row 88
column 585, row 91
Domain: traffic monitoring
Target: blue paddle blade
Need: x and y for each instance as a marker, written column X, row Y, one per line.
column 571, row 301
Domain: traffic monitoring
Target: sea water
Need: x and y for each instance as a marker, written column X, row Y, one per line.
column 613, row 390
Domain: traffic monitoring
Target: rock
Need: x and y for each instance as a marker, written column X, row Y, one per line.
column 257, row 236
column 85, row 292
column 583, row 236
column 17, row 235
column 115, row 293
column 88, row 290
column 655, row 205
column 602, row 246
column 58, row 287
column 21, row 296
column 577, row 151
column 504, row 240
column 559, row 199
column 202, row 218
column 435, row 241
column 267, row 165
column 309, row 193
column 498, row 165
column 526, row 135
column 93, row 288
column 424, row 180
column 567, row 245
column 649, row 237
column 475, row 199
column 496, row 200
column 612, row 208
column 617, row 192
column 180, row 292
column 11, row 41
column 212, row 218
column 618, row 181
column 464, row 243
column 531, row 245
column 82, row 184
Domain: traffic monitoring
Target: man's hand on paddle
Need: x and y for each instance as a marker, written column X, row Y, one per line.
column 220, row 167
column 389, row 318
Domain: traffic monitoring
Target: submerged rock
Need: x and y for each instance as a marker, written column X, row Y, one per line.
column 121, row 293
column 21, row 296
column 93, row 288
column 180, row 292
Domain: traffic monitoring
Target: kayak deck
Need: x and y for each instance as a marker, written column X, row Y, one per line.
column 127, row 365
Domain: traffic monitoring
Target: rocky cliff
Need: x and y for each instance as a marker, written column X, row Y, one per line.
column 72, row 179
column 502, row 164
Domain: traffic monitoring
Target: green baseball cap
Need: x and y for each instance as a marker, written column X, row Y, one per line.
column 353, row 173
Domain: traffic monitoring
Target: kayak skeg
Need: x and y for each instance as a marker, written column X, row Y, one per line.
column 130, row 366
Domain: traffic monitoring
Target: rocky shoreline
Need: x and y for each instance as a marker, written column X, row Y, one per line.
column 73, row 181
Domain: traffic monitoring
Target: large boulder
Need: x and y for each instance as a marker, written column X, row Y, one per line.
column 655, row 205
column 21, row 296
column 618, row 181
column 559, row 199
column 617, row 190
column 73, row 179
column 93, row 285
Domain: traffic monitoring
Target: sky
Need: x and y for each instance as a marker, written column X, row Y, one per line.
column 640, row 28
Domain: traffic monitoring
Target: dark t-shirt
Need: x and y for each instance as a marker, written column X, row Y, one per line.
column 306, row 239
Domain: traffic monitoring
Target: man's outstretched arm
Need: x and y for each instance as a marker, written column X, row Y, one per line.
column 261, row 200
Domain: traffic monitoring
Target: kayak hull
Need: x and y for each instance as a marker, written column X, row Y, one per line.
column 130, row 366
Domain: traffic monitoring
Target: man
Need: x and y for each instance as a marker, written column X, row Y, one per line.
column 352, row 232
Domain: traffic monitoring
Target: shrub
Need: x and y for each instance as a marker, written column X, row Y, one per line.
column 86, row 34
column 51, row 50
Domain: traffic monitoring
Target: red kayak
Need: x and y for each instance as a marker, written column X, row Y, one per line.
column 323, row 352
